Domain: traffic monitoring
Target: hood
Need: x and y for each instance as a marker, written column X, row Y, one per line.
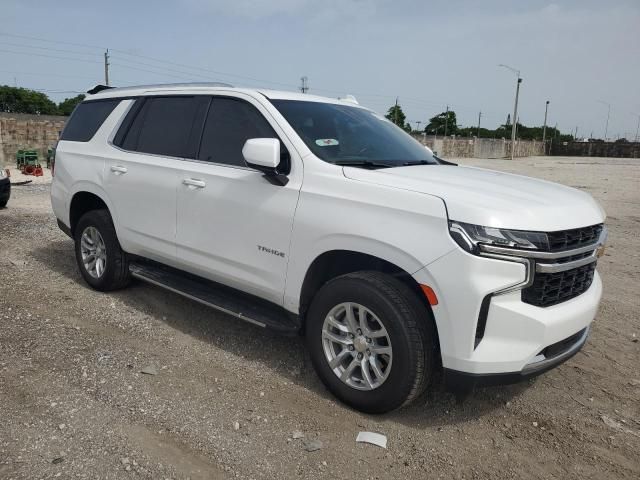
column 491, row 198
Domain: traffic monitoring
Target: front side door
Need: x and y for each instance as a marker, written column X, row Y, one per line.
column 234, row 226
column 142, row 172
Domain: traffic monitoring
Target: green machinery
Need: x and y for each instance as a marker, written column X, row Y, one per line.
column 27, row 162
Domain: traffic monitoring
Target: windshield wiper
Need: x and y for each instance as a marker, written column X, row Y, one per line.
column 417, row 162
column 362, row 163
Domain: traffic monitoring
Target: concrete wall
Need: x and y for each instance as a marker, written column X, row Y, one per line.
column 480, row 147
column 33, row 132
column 597, row 149
column 40, row 132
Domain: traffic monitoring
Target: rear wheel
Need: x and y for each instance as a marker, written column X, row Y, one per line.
column 371, row 341
column 101, row 260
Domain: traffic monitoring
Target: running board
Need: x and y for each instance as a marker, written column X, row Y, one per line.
column 224, row 299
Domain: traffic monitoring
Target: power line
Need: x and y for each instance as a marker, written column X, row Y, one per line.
column 190, row 75
column 22, row 45
column 48, row 40
column 183, row 77
column 40, row 74
column 31, row 54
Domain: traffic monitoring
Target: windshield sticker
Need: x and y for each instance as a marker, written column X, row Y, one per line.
column 327, row 142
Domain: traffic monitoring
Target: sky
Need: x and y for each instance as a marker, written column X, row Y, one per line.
column 580, row 55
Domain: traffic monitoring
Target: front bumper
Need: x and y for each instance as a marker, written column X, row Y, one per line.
column 515, row 333
column 458, row 381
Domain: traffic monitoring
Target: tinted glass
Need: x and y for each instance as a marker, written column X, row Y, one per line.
column 340, row 133
column 164, row 125
column 229, row 125
column 86, row 119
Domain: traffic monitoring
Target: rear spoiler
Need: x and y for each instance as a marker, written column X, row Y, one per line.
column 98, row 88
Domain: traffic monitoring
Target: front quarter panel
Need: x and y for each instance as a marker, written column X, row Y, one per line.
column 405, row 228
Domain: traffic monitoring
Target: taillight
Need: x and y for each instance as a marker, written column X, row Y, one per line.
column 53, row 163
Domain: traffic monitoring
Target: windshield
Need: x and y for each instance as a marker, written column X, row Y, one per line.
column 347, row 135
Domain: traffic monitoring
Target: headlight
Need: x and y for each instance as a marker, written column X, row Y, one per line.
column 469, row 236
column 3, row 173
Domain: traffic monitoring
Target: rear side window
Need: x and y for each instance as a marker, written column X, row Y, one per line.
column 167, row 126
column 229, row 125
column 86, row 119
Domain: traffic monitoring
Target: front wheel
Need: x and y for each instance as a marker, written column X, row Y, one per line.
column 371, row 341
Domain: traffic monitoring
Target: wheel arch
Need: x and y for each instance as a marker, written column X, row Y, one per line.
column 83, row 201
column 334, row 263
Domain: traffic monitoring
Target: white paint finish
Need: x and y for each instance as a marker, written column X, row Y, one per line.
column 516, row 332
column 491, row 198
column 221, row 226
column 210, row 219
column 460, row 282
column 405, row 228
column 263, row 152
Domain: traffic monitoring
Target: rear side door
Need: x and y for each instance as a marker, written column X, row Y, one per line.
column 143, row 169
column 234, row 226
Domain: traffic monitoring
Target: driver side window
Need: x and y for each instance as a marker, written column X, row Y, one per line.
column 230, row 123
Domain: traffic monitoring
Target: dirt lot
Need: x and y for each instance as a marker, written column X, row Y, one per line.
column 74, row 403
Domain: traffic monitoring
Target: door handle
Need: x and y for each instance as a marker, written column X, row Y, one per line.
column 118, row 170
column 194, row 182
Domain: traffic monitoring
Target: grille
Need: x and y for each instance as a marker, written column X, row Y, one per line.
column 576, row 238
column 553, row 288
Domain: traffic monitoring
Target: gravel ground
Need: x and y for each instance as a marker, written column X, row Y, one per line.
column 227, row 397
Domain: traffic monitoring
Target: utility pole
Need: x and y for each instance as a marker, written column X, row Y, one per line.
column 515, row 108
column 304, row 84
column 544, row 129
column 575, row 135
column 418, row 122
column 446, row 121
column 637, row 128
column 106, row 67
column 479, row 117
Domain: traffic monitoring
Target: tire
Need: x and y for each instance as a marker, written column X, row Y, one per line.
column 3, row 203
column 410, row 332
column 115, row 271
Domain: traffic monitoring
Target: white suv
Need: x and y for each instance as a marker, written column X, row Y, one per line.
column 316, row 216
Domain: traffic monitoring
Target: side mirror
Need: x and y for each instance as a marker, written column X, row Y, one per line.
column 263, row 154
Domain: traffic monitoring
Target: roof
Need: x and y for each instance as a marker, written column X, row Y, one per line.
column 210, row 87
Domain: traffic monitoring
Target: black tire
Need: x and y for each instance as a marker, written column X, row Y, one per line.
column 3, row 203
column 411, row 330
column 116, row 272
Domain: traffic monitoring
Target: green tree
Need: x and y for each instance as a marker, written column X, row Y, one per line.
column 22, row 100
column 68, row 104
column 397, row 116
column 436, row 125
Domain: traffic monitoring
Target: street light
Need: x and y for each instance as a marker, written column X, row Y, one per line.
column 515, row 108
column 606, row 127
